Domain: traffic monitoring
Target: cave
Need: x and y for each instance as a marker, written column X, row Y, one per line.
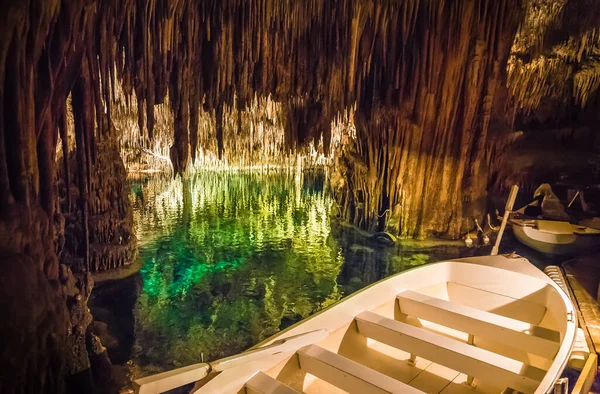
column 181, row 179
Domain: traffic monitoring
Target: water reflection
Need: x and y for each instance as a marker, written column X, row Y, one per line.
column 229, row 259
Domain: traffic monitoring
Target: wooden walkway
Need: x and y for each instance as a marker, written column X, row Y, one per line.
column 583, row 275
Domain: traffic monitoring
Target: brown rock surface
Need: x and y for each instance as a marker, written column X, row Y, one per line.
column 33, row 329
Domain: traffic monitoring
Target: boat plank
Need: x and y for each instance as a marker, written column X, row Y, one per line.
column 389, row 360
column 261, row 383
column 522, row 335
column 459, row 386
column 348, row 375
column 459, row 356
column 434, row 378
column 499, row 304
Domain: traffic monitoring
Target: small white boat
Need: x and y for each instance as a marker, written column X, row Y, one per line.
column 493, row 324
column 556, row 238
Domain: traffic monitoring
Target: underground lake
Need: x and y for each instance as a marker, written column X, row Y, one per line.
column 227, row 259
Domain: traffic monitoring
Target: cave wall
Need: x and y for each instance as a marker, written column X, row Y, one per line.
column 46, row 52
column 553, row 82
column 421, row 75
column 110, row 242
column 35, row 320
column 420, row 158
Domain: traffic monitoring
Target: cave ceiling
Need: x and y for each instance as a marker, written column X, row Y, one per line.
column 428, row 63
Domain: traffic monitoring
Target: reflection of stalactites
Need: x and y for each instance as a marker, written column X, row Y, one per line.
column 187, row 203
column 273, row 311
column 335, row 295
column 246, row 229
column 298, row 179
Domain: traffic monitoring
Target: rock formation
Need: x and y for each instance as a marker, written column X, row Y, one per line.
column 108, row 239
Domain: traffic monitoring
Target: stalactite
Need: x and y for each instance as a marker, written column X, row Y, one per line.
column 354, row 55
column 180, row 150
column 553, row 59
column 409, row 167
column 17, row 139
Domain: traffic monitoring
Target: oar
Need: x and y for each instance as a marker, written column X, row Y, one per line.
column 508, row 209
column 573, row 200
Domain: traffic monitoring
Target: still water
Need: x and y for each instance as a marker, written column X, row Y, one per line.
column 228, row 259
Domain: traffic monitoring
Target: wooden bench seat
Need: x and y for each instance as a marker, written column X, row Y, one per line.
column 516, row 307
column 261, row 383
column 514, row 333
column 348, row 375
column 459, row 356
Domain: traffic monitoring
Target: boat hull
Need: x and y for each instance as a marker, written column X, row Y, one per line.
column 556, row 244
column 463, row 325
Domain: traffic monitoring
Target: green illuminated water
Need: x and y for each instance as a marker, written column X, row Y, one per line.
column 228, row 259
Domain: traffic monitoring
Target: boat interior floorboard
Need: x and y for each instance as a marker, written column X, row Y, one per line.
column 434, row 378
column 261, row 383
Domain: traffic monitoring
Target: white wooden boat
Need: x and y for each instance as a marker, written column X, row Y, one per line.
column 556, row 238
column 493, row 324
